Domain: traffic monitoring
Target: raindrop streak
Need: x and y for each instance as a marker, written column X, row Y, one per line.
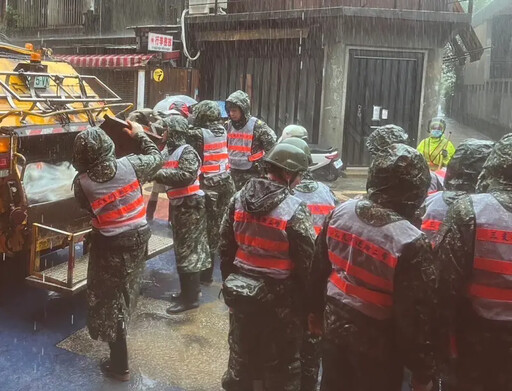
column 72, row 319
column 3, row 257
column 35, row 325
column 42, row 351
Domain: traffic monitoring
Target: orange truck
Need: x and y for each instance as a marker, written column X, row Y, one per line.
column 44, row 103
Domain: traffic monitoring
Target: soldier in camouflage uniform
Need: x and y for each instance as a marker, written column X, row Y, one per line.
column 386, row 135
column 188, row 214
column 461, row 179
column 209, row 139
column 153, row 121
column 248, row 139
column 320, row 201
column 378, row 273
column 267, row 244
column 474, row 250
column 119, row 239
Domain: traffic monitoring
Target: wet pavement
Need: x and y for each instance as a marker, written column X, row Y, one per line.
column 44, row 344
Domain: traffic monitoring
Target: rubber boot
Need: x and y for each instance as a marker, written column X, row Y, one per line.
column 116, row 366
column 189, row 297
column 150, row 210
column 207, row 276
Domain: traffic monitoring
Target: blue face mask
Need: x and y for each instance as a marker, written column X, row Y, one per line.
column 436, row 133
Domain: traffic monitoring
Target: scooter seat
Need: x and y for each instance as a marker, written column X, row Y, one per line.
column 320, row 150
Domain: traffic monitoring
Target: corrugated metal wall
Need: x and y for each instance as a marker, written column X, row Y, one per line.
column 283, row 83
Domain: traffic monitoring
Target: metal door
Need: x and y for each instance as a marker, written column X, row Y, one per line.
column 384, row 87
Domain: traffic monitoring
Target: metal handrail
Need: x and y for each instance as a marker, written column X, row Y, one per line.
column 58, row 79
column 70, row 239
column 100, row 109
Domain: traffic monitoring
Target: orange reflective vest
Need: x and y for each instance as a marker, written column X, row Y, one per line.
column 263, row 246
column 490, row 290
column 320, row 202
column 173, row 161
column 364, row 259
column 215, row 152
column 435, row 213
column 117, row 204
column 240, row 146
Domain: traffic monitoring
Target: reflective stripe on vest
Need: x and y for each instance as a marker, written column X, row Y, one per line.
column 118, row 205
column 263, row 246
column 364, row 259
column 215, row 152
column 491, row 287
column 435, row 213
column 173, row 161
column 441, row 173
column 240, row 146
column 320, row 203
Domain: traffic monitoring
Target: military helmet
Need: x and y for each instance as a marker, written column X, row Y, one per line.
column 301, row 144
column 294, row 131
column 288, row 157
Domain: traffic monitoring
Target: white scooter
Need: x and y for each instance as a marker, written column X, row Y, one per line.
column 327, row 165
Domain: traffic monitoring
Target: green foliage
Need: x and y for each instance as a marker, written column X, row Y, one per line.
column 449, row 75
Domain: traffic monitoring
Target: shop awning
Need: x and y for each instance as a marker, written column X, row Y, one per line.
column 107, row 60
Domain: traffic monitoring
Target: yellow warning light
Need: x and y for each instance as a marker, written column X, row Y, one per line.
column 5, row 144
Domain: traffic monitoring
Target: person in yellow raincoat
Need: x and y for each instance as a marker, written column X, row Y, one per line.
column 437, row 149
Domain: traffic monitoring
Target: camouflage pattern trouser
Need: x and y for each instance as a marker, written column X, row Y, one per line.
column 485, row 360
column 189, row 234
column 264, row 345
column 217, row 196
column 114, row 274
column 358, row 357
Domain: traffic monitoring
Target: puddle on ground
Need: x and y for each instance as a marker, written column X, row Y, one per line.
column 187, row 351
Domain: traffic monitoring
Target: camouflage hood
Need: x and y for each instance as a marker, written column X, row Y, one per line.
column 398, row 179
column 207, row 115
column 497, row 172
column 177, row 127
column 240, row 99
column 385, row 136
column 260, row 196
column 94, row 154
column 466, row 165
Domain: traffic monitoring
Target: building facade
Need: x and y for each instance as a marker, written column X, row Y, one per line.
column 483, row 95
column 108, row 39
column 341, row 68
